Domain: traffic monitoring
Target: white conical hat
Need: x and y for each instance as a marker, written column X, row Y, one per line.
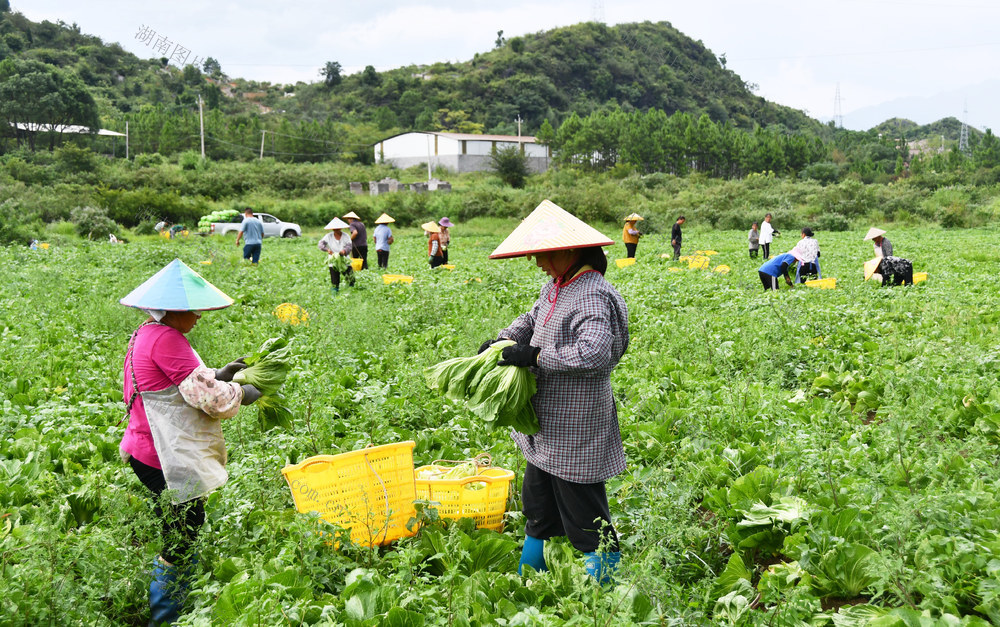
column 351, row 214
column 431, row 227
column 633, row 217
column 873, row 233
column 336, row 223
column 548, row 228
column 870, row 266
column 385, row 218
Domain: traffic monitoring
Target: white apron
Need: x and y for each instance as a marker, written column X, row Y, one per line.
column 189, row 443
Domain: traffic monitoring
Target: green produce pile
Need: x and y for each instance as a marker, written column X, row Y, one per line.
column 222, row 215
column 267, row 369
column 500, row 395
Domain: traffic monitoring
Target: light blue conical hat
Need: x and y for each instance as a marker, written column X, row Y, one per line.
column 177, row 288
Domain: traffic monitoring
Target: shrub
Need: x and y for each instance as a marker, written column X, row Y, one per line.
column 831, row 222
column 148, row 159
column 189, row 160
column 92, row 222
column 72, row 159
column 16, row 227
column 824, row 173
column 510, row 165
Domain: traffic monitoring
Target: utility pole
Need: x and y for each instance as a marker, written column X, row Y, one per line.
column 519, row 120
column 262, row 134
column 126, row 140
column 201, row 118
column 963, row 138
column 428, row 158
column 838, row 114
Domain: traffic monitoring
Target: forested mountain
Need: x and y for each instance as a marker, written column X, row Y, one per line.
column 548, row 75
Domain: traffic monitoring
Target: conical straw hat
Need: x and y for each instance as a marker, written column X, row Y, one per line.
column 633, row 217
column 177, row 288
column 384, row 219
column 431, row 227
column 336, row 223
column 873, row 233
column 870, row 267
column 549, row 228
column 351, row 215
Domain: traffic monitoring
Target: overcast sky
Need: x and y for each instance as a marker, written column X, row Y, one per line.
column 797, row 52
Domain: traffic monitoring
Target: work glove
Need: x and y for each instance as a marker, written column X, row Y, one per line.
column 226, row 372
column 519, row 355
column 484, row 346
column 250, row 394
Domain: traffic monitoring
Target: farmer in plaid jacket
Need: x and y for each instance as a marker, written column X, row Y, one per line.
column 572, row 338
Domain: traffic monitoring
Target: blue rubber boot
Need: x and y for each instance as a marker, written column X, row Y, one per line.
column 532, row 554
column 602, row 566
column 166, row 595
column 334, row 290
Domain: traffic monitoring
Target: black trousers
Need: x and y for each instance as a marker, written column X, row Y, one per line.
column 383, row 258
column 808, row 269
column 677, row 251
column 436, row 260
column 630, row 250
column 181, row 522
column 769, row 282
column 444, row 254
column 360, row 252
column 335, row 276
column 556, row 507
column 767, row 250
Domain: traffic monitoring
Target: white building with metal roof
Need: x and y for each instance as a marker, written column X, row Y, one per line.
column 458, row 152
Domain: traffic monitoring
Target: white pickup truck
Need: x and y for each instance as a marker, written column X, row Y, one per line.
column 273, row 227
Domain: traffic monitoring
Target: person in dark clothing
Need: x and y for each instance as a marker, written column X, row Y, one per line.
column 359, row 239
column 891, row 271
column 675, row 237
column 774, row 268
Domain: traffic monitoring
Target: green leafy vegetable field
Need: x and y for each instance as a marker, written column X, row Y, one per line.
column 805, row 457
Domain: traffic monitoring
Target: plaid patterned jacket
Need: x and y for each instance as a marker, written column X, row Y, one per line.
column 582, row 331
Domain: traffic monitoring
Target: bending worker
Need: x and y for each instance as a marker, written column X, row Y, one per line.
column 774, row 268
column 573, row 336
column 175, row 405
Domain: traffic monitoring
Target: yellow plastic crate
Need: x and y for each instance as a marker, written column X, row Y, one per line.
column 356, row 264
column 823, row 284
column 447, row 266
column 454, row 499
column 370, row 491
column 699, row 262
column 621, row 263
column 723, row 269
column 396, row 278
column 919, row 277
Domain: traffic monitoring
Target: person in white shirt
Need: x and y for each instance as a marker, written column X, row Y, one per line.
column 767, row 235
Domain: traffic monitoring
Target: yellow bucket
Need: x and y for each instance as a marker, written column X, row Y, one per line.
column 45, row 246
column 356, row 264
column 396, row 278
column 482, row 497
column 369, row 491
column 621, row 263
column 823, row 284
column 919, row 277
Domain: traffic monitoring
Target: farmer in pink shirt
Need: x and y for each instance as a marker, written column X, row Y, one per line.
column 174, row 441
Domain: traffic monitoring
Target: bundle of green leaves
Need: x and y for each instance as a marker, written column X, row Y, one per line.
column 337, row 262
column 267, row 369
column 500, row 395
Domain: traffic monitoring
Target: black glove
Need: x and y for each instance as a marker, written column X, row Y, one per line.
column 484, row 346
column 226, row 372
column 519, row 355
column 250, row 394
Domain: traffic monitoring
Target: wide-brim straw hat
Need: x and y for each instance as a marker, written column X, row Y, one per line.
column 445, row 222
column 870, row 266
column 873, row 233
column 633, row 217
column 431, row 227
column 177, row 287
column 351, row 215
column 547, row 229
column 384, row 219
column 336, row 223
